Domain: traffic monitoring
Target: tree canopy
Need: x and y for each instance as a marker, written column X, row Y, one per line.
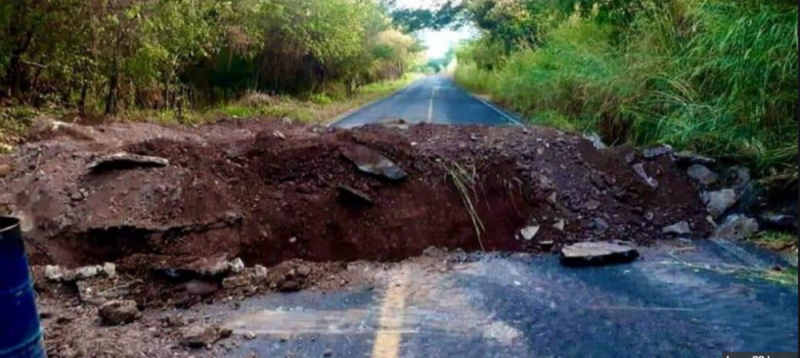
column 108, row 54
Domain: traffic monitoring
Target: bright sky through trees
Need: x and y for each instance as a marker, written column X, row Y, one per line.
column 438, row 42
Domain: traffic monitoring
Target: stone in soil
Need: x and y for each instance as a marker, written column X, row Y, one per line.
column 654, row 152
column 5, row 169
column 736, row 227
column 597, row 254
column 702, row 174
column 681, row 228
column 718, row 202
column 119, row 312
column 200, row 336
column 529, row 232
column 642, row 172
column 372, row 162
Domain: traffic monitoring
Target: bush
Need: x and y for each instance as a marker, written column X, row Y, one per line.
column 715, row 77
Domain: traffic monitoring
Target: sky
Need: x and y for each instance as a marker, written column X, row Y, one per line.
column 438, row 42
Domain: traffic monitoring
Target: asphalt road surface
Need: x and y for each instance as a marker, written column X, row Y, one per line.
column 434, row 99
column 683, row 299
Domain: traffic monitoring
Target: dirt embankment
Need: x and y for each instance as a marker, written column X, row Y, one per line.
column 268, row 193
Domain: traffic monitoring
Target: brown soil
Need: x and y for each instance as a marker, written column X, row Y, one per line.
column 238, row 189
column 273, row 195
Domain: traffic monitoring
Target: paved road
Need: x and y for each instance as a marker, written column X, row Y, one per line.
column 434, row 99
column 693, row 299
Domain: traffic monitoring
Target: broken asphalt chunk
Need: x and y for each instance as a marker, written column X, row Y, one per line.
column 372, row 162
column 597, row 254
column 123, row 160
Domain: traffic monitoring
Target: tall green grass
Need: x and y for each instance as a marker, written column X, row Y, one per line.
column 717, row 77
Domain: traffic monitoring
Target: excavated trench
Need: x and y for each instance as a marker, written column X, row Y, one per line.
column 270, row 193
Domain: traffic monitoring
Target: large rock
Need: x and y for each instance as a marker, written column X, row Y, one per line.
column 119, row 312
column 718, row 202
column 702, row 174
column 597, row 254
column 372, row 162
column 736, row 227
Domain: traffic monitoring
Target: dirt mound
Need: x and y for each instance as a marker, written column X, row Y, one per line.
column 269, row 193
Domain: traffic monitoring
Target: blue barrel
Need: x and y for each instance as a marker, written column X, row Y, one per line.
column 20, row 331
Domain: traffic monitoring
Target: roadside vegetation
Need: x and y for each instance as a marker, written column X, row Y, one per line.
column 718, row 77
column 186, row 61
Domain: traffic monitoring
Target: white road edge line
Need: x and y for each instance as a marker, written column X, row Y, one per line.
column 505, row 115
column 430, row 105
column 351, row 112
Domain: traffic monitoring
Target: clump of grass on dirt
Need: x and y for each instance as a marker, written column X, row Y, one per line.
column 465, row 179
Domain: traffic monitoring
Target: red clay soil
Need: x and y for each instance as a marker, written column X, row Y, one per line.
column 269, row 193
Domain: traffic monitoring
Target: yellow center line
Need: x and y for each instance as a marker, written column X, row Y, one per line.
column 390, row 324
column 430, row 106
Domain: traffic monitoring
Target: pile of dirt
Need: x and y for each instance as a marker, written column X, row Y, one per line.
column 269, row 193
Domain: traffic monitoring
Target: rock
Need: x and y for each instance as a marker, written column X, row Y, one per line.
column 236, row 281
column 681, row 228
column 742, row 177
column 689, row 158
column 596, row 141
column 639, row 169
column 110, row 270
column 303, row 271
column 372, row 162
column 53, row 273
column 655, row 152
column 203, row 336
column 546, row 244
column 123, row 160
column 597, row 254
column 592, row 205
column 600, row 225
column 203, row 268
column 736, row 227
column 236, row 266
column 350, row 195
column 553, row 198
column 560, row 225
column 202, row 288
column 5, row 170
column 249, row 336
column 529, row 232
column 718, row 202
column 702, row 174
column 119, row 312
column 260, row 272
column 328, row 353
